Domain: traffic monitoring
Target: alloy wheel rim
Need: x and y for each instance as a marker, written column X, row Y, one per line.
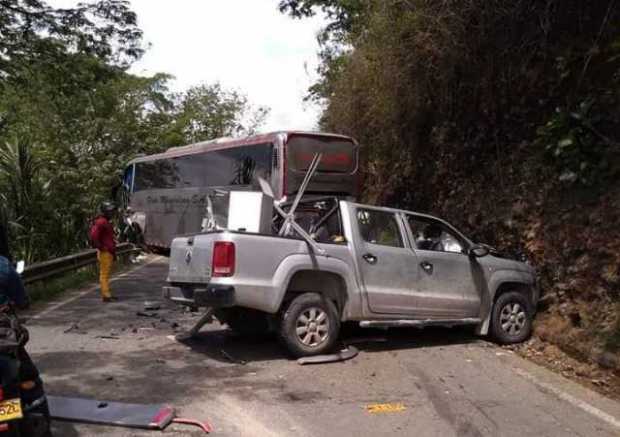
column 312, row 327
column 513, row 318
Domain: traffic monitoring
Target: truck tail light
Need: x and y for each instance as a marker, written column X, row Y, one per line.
column 223, row 259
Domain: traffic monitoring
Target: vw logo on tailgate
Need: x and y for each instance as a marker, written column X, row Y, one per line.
column 188, row 256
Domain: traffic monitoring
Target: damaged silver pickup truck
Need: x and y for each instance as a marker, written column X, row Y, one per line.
column 339, row 261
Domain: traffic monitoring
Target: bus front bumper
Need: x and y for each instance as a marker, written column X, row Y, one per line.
column 214, row 296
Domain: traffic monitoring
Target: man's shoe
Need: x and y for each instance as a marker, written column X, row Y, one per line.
column 110, row 299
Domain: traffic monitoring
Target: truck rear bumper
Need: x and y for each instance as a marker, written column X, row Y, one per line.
column 215, row 296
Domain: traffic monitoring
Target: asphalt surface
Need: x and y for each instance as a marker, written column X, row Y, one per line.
column 440, row 382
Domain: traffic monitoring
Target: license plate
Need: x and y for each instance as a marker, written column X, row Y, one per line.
column 10, row 409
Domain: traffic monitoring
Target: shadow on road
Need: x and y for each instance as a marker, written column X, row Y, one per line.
column 371, row 340
column 225, row 346
column 64, row 429
column 168, row 374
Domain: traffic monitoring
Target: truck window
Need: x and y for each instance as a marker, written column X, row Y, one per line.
column 433, row 235
column 379, row 227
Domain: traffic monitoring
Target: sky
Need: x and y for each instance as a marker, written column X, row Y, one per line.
column 246, row 45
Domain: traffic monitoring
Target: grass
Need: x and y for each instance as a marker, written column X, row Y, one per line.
column 44, row 291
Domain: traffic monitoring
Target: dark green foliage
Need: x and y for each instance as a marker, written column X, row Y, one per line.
column 451, row 84
column 574, row 144
column 501, row 116
column 71, row 117
column 343, row 14
column 31, row 30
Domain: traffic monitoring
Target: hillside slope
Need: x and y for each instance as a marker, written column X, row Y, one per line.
column 504, row 118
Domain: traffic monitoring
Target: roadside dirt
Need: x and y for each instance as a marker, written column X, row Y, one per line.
column 591, row 375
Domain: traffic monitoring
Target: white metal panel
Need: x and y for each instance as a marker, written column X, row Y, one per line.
column 250, row 211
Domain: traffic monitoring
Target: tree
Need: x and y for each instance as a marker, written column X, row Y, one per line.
column 82, row 134
column 31, row 31
column 21, row 195
column 344, row 15
column 209, row 111
column 71, row 117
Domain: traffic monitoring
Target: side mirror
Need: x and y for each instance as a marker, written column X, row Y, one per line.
column 478, row 251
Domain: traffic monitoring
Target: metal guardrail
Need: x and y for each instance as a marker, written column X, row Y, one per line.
column 52, row 268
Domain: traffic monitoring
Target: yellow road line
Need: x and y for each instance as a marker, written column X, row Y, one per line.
column 386, row 408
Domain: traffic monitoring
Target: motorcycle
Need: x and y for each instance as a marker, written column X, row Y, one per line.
column 24, row 411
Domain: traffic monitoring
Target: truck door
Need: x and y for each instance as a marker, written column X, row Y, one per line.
column 387, row 267
column 446, row 287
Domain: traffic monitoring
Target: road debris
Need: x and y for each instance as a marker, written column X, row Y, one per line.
column 137, row 259
column 207, row 317
column 153, row 416
column 152, row 305
column 73, row 327
column 110, row 413
column 343, row 355
column 386, row 408
column 231, row 359
column 205, row 426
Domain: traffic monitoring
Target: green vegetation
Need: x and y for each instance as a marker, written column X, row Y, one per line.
column 44, row 291
column 71, row 116
column 502, row 116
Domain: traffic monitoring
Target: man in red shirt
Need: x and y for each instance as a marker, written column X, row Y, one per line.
column 102, row 236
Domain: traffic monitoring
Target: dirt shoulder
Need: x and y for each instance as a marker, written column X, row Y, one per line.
column 590, row 375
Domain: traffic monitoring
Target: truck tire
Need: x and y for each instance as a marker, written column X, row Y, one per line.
column 309, row 325
column 245, row 322
column 511, row 320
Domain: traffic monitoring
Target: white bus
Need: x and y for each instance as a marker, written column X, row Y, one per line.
column 166, row 193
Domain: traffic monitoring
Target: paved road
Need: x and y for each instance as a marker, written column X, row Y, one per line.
column 450, row 382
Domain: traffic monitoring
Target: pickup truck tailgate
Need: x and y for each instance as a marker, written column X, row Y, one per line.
column 190, row 263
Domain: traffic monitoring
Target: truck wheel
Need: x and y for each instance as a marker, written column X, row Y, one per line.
column 245, row 322
column 511, row 320
column 309, row 325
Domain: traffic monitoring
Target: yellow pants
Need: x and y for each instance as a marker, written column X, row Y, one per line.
column 105, row 268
